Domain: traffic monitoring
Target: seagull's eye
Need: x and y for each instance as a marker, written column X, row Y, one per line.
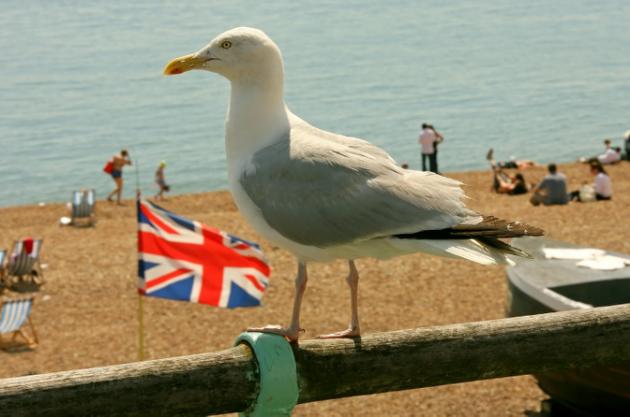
column 226, row 44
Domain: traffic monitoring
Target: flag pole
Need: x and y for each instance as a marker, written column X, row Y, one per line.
column 137, row 178
column 140, row 296
column 140, row 327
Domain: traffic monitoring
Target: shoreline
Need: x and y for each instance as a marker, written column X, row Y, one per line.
column 452, row 174
column 85, row 314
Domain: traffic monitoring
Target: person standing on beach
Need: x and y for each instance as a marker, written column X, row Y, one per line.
column 118, row 162
column 429, row 138
column 160, row 180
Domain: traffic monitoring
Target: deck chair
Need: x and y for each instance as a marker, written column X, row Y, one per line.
column 23, row 264
column 14, row 315
column 83, row 208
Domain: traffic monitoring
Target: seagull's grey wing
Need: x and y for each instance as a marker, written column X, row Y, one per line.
column 302, row 129
column 325, row 190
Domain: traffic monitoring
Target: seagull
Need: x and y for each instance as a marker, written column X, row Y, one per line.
column 325, row 196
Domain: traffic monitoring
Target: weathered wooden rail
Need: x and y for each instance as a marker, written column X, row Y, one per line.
column 226, row 381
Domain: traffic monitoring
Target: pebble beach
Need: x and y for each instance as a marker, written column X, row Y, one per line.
column 86, row 312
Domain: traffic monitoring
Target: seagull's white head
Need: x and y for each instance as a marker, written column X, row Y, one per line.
column 240, row 54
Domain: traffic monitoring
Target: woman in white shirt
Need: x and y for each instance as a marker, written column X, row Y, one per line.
column 602, row 185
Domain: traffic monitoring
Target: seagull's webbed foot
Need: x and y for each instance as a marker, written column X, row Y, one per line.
column 290, row 333
column 350, row 332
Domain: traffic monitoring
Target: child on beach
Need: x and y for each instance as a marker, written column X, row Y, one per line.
column 161, row 181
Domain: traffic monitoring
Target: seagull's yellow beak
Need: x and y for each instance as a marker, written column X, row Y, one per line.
column 183, row 64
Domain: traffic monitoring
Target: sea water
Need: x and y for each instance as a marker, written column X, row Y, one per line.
column 541, row 80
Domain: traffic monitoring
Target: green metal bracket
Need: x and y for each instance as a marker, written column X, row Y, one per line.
column 278, row 392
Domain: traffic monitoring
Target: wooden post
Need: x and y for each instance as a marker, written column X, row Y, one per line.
column 223, row 382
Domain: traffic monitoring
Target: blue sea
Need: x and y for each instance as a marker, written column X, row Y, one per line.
column 541, row 80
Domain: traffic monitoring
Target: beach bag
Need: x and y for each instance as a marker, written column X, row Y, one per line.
column 587, row 193
column 109, row 167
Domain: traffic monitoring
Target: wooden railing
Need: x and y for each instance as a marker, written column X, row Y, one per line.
column 221, row 382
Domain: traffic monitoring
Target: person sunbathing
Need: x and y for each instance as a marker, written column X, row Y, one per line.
column 504, row 184
column 513, row 163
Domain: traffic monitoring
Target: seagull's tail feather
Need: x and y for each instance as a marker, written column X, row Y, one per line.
column 503, row 247
column 484, row 251
column 488, row 227
column 478, row 241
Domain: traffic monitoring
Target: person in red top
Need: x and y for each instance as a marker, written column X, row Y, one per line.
column 118, row 161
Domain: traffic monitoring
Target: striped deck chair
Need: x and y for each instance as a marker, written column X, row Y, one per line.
column 14, row 314
column 83, row 207
column 24, row 263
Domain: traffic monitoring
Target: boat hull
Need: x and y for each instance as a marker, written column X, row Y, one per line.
column 547, row 286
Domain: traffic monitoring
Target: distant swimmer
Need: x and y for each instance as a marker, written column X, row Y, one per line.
column 118, row 162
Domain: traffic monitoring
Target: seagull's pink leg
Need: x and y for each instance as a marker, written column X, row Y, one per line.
column 292, row 332
column 353, row 330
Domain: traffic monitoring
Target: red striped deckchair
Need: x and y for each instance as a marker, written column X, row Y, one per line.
column 23, row 264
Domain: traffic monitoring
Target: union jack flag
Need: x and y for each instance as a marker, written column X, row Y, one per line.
column 181, row 259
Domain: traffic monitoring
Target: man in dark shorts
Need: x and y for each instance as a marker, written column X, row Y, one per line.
column 118, row 162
